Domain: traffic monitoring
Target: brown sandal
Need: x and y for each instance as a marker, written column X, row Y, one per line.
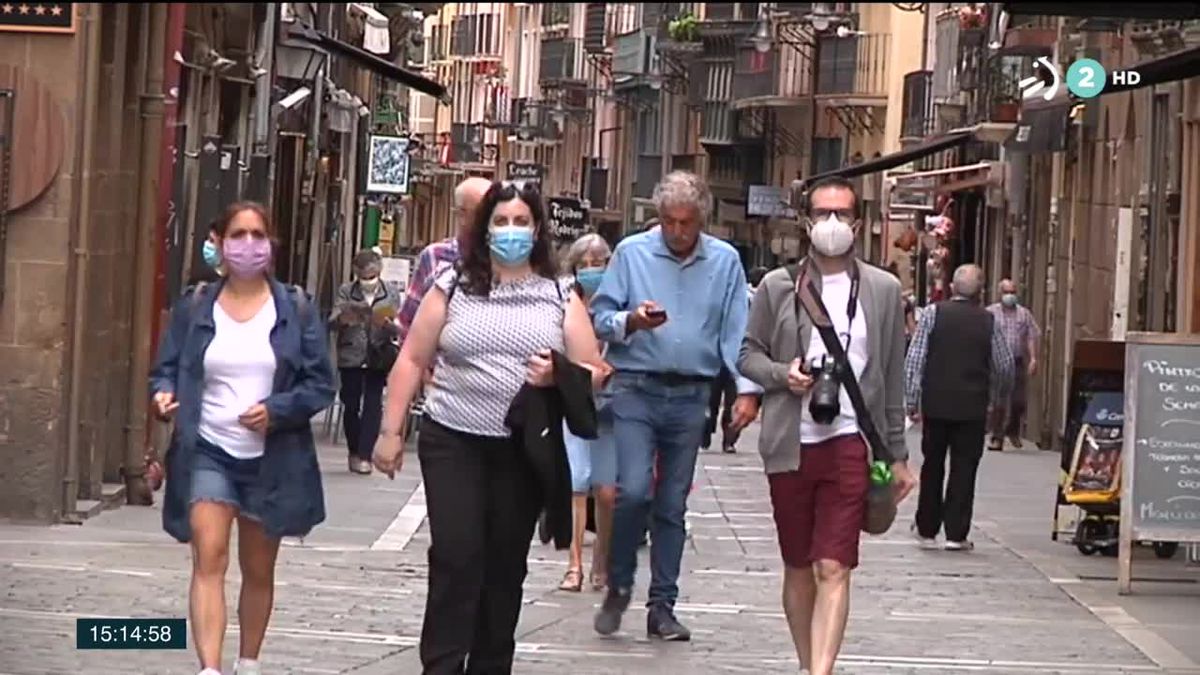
column 572, row 581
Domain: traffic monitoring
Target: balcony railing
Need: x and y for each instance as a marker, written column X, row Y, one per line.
column 476, row 35
column 780, row 72
column 562, row 60
column 556, row 13
column 917, row 106
column 853, row 66
column 439, row 43
column 466, row 143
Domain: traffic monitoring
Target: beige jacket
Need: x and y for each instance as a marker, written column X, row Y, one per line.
column 772, row 335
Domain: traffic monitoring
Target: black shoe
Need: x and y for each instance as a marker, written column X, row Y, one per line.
column 608, row 619
column 729, row 449
column 662, row 624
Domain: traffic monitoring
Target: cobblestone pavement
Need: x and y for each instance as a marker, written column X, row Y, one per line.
column 345, row 607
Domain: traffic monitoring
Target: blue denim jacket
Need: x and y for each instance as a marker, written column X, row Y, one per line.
column 294, row 501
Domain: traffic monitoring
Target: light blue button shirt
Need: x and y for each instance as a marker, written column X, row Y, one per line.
column 705, row 299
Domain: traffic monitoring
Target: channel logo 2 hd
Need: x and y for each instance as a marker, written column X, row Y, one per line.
column 1085, row 78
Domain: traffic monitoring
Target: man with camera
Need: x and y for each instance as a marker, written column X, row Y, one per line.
column 668, row 345
column 959, row 361
column 828, row 415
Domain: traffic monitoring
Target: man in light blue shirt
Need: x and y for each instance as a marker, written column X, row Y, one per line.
column 673, row 308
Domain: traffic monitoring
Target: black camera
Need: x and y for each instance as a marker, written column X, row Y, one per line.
column 825, row 404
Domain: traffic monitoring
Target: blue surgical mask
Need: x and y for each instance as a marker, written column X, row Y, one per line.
column 589, row 279
column 1009, row 299
column 212, row 254
column 511, row 245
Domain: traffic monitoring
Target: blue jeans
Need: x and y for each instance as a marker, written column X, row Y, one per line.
column 652, row 418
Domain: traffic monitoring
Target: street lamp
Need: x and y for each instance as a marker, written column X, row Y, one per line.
column 762, row 38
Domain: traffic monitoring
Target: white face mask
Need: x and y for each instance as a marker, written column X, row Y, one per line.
column 831, row 237
column 369, row 285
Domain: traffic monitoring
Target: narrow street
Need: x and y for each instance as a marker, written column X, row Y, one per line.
column 350, row 597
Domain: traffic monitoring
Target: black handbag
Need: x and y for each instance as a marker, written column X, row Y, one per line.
column 382, row 350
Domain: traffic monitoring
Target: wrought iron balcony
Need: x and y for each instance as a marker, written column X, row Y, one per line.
column 476, row 36
column 853, row 67
column 778, row 76
column 562, row 61
column 556, row 14
column 917, row 106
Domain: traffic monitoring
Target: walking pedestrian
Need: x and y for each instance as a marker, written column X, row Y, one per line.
column 364, row 320
column 441, row 255
column 243, row 368
column 491, row 322
column 668, row 345
column 817, row 466
column 593, row 462
column 210, row 253
column 958, row 361
column 1022, row 334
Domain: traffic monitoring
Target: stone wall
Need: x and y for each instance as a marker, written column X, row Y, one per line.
column 33, row 317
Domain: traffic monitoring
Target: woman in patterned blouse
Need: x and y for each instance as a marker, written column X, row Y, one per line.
column 490, row 324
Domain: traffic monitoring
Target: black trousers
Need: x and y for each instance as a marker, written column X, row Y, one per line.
column 964, row 440
column 362, row 408
column 483, row 503
column 720, row 409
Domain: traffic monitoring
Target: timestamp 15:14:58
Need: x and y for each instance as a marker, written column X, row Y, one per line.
column 128, row 633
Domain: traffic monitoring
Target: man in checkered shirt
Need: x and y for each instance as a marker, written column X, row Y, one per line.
column 1021, row 332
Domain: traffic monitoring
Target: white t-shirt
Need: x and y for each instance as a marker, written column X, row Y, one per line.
column 239, row 372
column 835, row 293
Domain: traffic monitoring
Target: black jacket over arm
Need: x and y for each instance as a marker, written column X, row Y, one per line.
column 536, row 418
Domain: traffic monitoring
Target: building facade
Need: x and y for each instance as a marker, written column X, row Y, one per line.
column 125, row 130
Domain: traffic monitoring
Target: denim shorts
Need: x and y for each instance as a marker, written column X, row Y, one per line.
column 593, row 462
column 218, row 476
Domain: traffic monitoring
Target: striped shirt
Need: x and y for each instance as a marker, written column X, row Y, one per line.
column 485, row 347
column 1019, row 329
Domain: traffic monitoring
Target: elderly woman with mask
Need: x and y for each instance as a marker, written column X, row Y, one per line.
column 593, row 462
column 364, row 320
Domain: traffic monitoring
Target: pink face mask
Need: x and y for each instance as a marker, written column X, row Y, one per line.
column 247, row 257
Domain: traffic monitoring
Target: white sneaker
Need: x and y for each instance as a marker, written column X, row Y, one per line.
column 210, row 671
column 965, row 545
column 926, row 543
column 247, row 667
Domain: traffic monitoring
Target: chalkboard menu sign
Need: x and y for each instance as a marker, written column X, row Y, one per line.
column 1160, row 498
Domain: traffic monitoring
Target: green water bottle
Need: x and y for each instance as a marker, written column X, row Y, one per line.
column 881, row 474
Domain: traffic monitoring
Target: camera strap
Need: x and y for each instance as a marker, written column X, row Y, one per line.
column 807, row 295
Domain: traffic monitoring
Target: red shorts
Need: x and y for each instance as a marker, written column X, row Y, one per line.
column 819, row 509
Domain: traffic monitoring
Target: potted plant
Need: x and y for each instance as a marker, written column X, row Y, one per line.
column 1005, row 109
column 686, row 28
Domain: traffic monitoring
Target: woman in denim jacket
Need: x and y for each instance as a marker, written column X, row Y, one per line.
column 243, row 368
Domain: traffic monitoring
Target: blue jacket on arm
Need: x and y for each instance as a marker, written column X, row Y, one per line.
column 294, row 500
column 705, row 299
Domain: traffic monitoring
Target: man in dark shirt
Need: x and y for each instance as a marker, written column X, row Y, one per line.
column 957, row 364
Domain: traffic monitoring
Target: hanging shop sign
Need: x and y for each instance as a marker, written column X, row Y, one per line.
column 37, row 17
column 769, row 201
column 525, row 172
column 567, row 218
column 387, row 171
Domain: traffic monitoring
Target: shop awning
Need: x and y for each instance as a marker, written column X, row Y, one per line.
column 924, row 149
column 1170, row 68
column 1115, row 10
column 956, row 178
column 373, row 63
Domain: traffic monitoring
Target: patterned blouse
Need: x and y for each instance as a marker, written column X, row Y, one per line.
column 485, row 347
